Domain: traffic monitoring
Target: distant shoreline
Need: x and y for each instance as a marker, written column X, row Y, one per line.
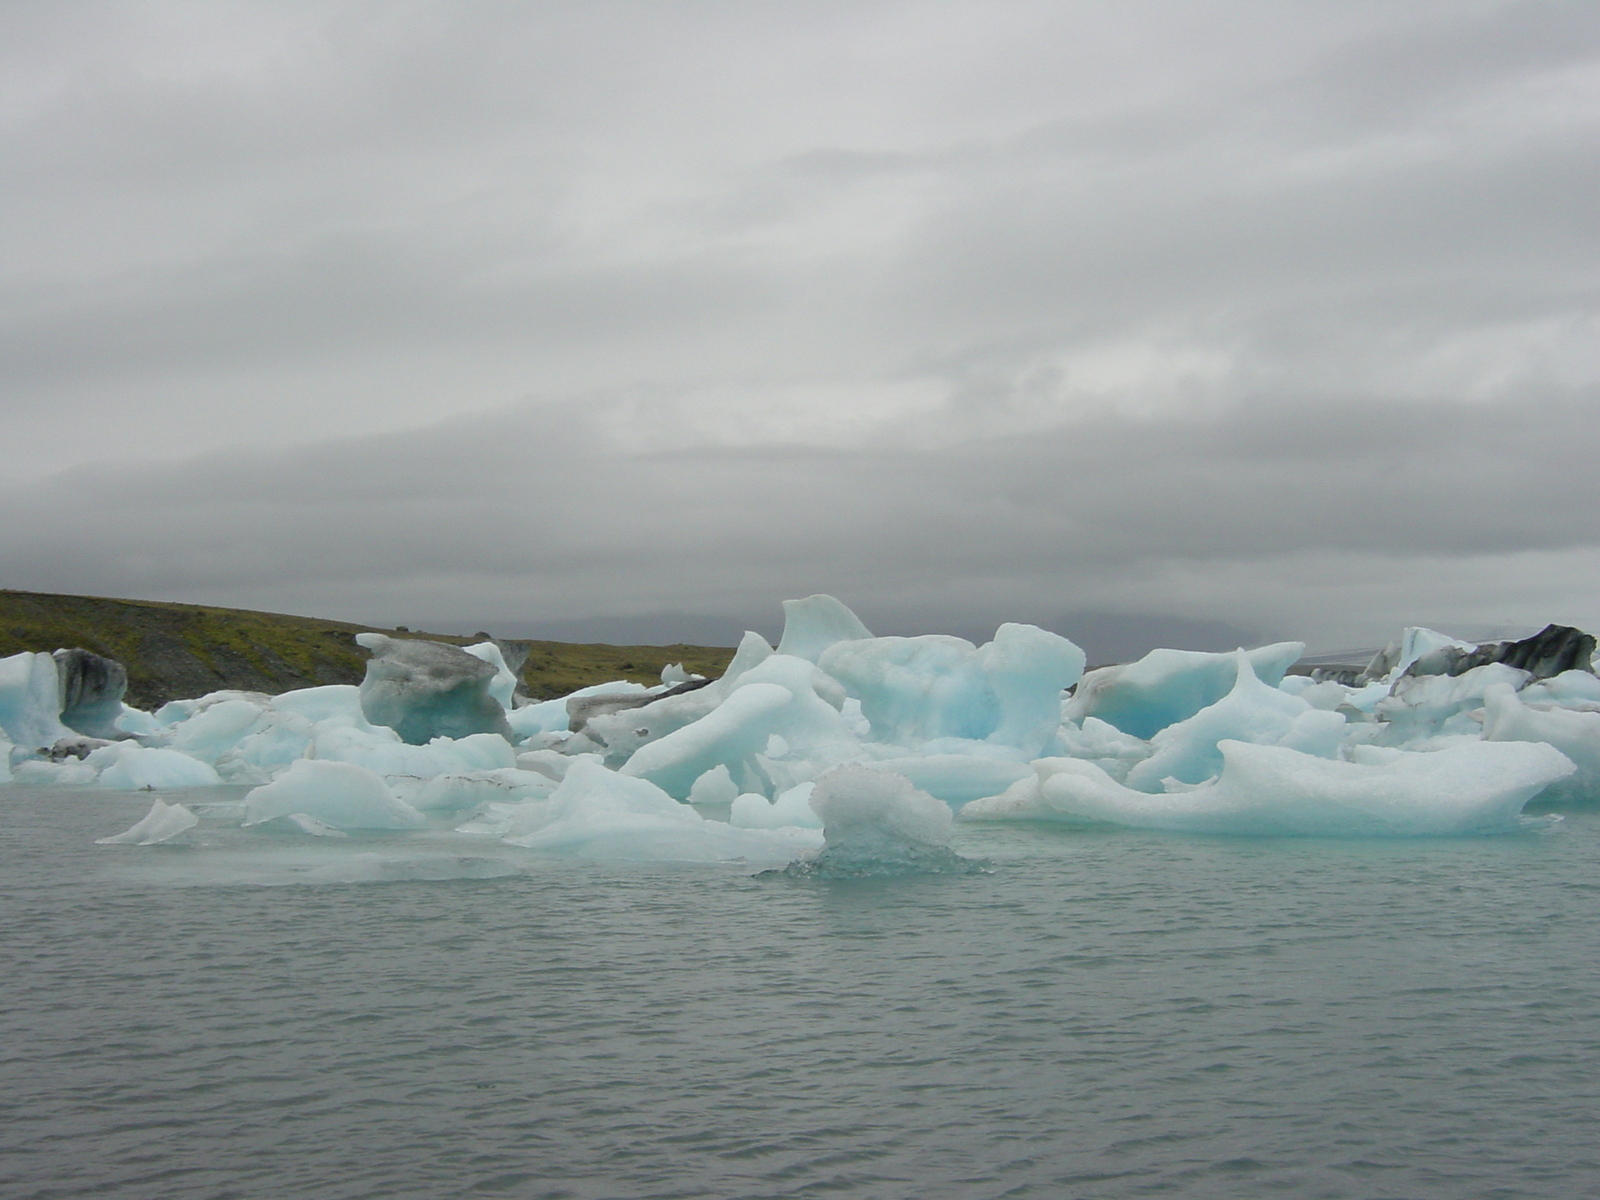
column 173, row 650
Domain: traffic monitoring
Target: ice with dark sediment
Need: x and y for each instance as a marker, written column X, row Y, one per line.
column 423, row 690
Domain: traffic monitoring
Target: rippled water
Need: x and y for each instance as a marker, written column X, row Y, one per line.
column 1102, row 1015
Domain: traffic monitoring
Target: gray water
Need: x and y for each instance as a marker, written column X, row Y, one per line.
column 1102, row 1015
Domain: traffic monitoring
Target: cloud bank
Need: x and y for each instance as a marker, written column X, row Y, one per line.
column 1269, row 319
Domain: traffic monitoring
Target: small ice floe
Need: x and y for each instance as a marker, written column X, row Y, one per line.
column 161, row 824
column 876, row 823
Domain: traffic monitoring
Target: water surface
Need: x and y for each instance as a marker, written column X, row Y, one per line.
column 1113, row 1014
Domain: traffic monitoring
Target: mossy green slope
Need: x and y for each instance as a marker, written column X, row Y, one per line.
column 177, row 650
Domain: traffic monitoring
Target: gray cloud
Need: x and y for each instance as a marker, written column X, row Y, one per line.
column 1278, row 318
column 544, row 518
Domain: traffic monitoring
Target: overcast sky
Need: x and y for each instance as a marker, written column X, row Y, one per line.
column 1177, row 321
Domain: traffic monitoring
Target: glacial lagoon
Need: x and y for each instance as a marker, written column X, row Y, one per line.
column 1102, row 1013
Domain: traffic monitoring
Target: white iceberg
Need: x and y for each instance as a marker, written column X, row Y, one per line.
column 1167, row 686
column 877, row 823
column 598, row 813
column 339, row 794
column 1468, row 787
column 161, row 824
column 132, row 767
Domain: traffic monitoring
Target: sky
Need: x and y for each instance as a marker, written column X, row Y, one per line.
column 1149, row 322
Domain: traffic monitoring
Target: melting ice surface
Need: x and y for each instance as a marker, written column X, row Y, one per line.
column 836, row 751
column 876, row 823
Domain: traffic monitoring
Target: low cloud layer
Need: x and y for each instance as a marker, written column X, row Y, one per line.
column 1257, row 319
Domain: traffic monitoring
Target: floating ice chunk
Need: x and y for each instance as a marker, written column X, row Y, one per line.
column 136, row 722
column 791, row 809
column 715, row 787
column 161, row 824
column 811, row 625
column 551, row 763
column 30, row 701
column 1318, row 732
column 597, row 813
column 619, row 726
column 546, row 716
column 1571, row 689
column 674, row 674
column 1426, row 650
column 1554, row 650
column 921, row 689
column 176, row 711
column 1028, row 668
column 955, row 778
column 130, row 767
column 814, row 717
column 274, row 741
column 63, row 774
column 91, row 691
column 1366, row 699
column 1468, row 787
column 1251, row 712
column 462, row 793
column 340, row 702
column 503, row 686
column 1168, row 686
column 1576, row 734
column 423, row 690
column 1420, row 707
column 752, row 652
column 913, row 689
column 341, row 794
column 742, row 734
column 1330, row 695
column 729, row 735
column 382, row 753
column 216, row 729
column 1103, row 744
column 878, row 823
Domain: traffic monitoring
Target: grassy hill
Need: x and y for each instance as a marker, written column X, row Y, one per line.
column 176, row 650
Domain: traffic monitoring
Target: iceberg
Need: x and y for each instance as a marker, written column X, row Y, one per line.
column 133, row 767
column 918, row 689
column 1167, row 686
column 503, row 687
column 161, row 824
column 30, row 701
column 811, row 625
column 339, row 794
column 1468, row 787
column 790, row 808
column 423, row 690
column 877, row 823
column 1252, row 712
column 855, row 747
column 729, row 736
column 598, row 813
column 1423, row 707
column 1507, row 718
column 91, row 690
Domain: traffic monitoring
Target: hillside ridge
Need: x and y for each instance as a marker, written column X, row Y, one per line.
column 174, row 650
